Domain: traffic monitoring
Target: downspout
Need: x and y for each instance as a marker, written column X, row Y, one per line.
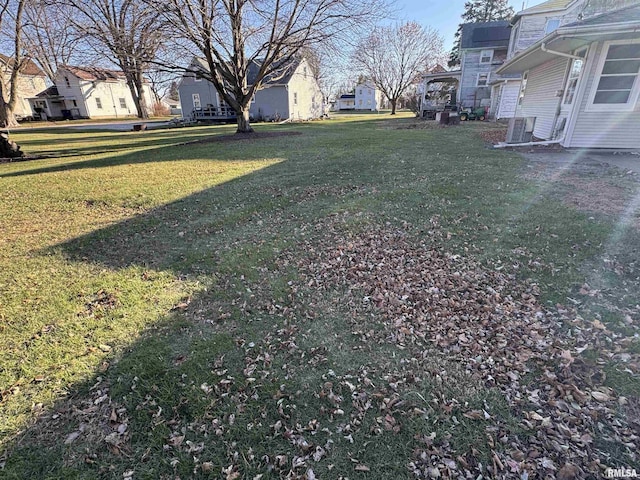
column 544, row 48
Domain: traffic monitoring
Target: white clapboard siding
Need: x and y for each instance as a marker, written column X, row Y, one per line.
column 604, row 129
column 540, row 98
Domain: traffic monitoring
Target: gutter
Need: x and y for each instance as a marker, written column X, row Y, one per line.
column 544, row 48
column 563, row 33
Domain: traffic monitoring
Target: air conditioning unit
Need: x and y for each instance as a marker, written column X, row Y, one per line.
column 520, row 129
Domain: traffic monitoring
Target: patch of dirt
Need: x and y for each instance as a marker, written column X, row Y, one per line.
column 494, row 136
column 590, row 187
column 242, row 137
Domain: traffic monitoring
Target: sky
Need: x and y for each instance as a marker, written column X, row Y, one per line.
column 444, row 15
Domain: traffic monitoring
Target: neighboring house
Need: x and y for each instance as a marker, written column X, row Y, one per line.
column 88, row 92
column 367, row 97
column 293, row 93
column 172, row 104
column 439, row 90
column 31, row 80
column 346, row 101
column 580, row 74
column 483, row 48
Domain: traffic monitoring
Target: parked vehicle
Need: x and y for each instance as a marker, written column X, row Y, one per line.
column 473, row 114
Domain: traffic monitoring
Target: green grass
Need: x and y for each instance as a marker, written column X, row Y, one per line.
column 133, row 261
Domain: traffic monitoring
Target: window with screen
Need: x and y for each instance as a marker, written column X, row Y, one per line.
column 617, row 83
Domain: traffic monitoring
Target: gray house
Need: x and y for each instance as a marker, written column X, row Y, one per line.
column 294, row 95
column 581, row 81
column 483, row 48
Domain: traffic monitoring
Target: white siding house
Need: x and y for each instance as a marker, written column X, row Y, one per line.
column 31, row 80
column 581, row 82
column 88, row 92
column 367, row 97
column 293, row 94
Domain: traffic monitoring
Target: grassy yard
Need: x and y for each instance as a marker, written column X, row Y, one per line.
column 364, row 297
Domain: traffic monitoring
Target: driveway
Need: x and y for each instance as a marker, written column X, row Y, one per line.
column 122, row 126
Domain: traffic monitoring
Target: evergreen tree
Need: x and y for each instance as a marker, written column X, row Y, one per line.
column 479, row 11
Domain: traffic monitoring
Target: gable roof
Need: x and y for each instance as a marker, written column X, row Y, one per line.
column 627, row 14
column 93, row 74
column 485, row 34
column 30, row 68
column 281, row 76
column 548, row 6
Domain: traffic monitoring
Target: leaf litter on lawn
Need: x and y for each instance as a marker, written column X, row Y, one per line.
column 440, row 317
column 437, row 304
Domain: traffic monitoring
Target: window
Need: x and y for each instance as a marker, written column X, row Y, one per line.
column 572, row 81
column 304, row 71
column 75, row 104
column 295, row 98
column 617, row 85
column 514, row 39
column 123, row 103
column 67, row 82
column 197, row 78
column 552, row 25
column 523, row 87
column 99, row 103
column 360, row 102
column 483, row 80
column 486, row 56
column 360, row 91
column 196, row 101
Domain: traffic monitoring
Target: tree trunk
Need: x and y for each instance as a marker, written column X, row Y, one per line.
column 137, row 93
column 7, row 118
column 142, row 101
column 393, row 106
column 244, row 126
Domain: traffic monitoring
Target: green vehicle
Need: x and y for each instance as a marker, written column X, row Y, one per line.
column 473, row 114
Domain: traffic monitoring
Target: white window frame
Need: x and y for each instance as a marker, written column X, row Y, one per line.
column 123, row 103
column 195, row 98
column 482, row 55
column 295, row 98
column 488, row 74
column 546, row 25
column 582, row 51
column 197, row 78
column 523, row 88
column 612, row 107
column 98, row 103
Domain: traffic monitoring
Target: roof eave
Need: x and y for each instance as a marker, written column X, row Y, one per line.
column 563, row 33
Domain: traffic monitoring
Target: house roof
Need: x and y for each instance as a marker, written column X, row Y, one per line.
column 548, row 6
column 92, row 74
column 30, row 68
column 52, row 91
column 485, row 34
column 281, row 76
column 627, row 14
column 622, row 24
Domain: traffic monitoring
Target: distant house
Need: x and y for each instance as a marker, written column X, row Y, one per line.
column 483, row 48
column 367, row 97
column 293, row 93
column 31, row 80
column 88, row 92
column 346, row 101
column 580, row 67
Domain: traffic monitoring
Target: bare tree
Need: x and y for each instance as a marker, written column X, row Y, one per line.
column 11, row 25
column 131, row 32
column 394, row 57
column 50, row 36
column 236, row 36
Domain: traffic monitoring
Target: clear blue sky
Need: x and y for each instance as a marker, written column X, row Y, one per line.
column 444, row 15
